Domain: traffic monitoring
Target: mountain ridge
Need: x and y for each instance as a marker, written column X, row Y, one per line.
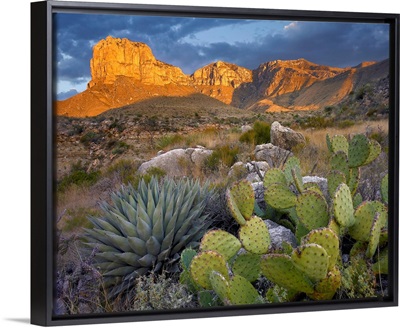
column 124, row 72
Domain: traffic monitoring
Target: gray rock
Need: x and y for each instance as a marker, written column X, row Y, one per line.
column 271, row 154
column 279, row 234
column 250, row 169
column 322, row 184
column 177, row 162
column 258, row 188
column 285, row 137
column 245, row 128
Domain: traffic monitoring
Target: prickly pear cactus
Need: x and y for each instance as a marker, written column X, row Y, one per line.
column 385, row 189
column 339, row 144
column 279, row 196
column 222, row 242
column 358, row 150
column 312, row 210
column 247, row 265
column 274, row 175
column 240, row 198
column 254, row 236
column 343, row 206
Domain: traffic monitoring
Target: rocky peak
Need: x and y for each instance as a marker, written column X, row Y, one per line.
column 222, row 74
column 278, row 77
column 115, row 57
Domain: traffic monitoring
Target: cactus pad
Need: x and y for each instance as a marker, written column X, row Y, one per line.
column 354, row 179
column 222, row 242
column 291, row 163
column 364, row 219
column 186, row 257
column 374, row 151
column 382, row 265
column 385, row 189
column 234, row 209
column 327, row 287
column 243, row 292
column 357, row 200
column 243, row 195
column 255, row 236
column 203, row 264
column 339, row 163
column 312, row 259
column 339, row 144
column 343, row 206
column 328, row 143
column 374, row 236
column 312, row 210
column 335, row 178
column 298, row 179
column 313, row 186
column 280, row 269
column 247, row 265
column 358, row 150
column 274, row 175
column 220, row 285
column 326, row 238
column 279, row 196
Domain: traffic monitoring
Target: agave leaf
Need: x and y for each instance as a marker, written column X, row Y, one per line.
column 102, row 247
column 107, row 266
column 117, row 241
column 129, row 258
column 158, row 224
column 153, row 246
column 126, row 228
column 150, row 203
column 137, row 245
column 164, row 255
column 102, row 224
column 130, row 212
column 142, row 214
column 109, row 257
column 143, row 229
column 147, row 261
column 121, row 271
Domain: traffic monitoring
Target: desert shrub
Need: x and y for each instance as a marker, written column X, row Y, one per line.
column 168, row 140
column 91, row 136
column 158, row 292
column 155, row 172
column 117, row 125
column 345, row 124
column 318, row 122
column 222, row 155
column 363, row 91
column 260, row 134
column 119, row 148
column 76, row 218
column 78, row 176
column 124, row 169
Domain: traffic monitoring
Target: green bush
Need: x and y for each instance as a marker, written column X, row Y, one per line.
column 78, row 176
column 168, row 140
column 120, row 148
column 222, row 155
column 124, row 169
column 91, row 136
column 260, row 134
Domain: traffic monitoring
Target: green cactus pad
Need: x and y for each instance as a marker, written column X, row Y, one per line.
column 385, row 189
column 384, row 238
column 364, row 219
column 279, row 196
column 326, row 238
column 207, row 298
column 255, row 236
column 374, row 236
column 312, row 210
column 242, row 292
column 243, row 195
column 327, row 287
column 374, row 151
column 358, row 250
column 280, row 269
column 357, row 200
column 222, row 242
column 339, row 144
column 186, row 257
column 312, row 259
column 339, row 163
column 335, row 178
column 291, row 163
column 358, row 150
column 382, row 264
column 298, row 179
column 343, row 206
column 274, row 175
column 301, row 231
column 203, row 264
column 234, row 210
column 247, row 265
column 328, row 143
column 312, row 186
column 354, row 179
column 220, row 285
column 334, row 226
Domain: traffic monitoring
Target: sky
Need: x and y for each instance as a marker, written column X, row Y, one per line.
column 191, row 43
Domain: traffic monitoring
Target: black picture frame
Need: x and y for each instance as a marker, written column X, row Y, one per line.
column 42, row 160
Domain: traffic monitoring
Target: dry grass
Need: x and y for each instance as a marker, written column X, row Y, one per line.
column 314, row 157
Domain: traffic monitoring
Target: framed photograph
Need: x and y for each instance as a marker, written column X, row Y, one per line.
column 201, row 161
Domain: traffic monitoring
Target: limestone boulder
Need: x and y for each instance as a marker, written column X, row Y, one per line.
column 285, row 137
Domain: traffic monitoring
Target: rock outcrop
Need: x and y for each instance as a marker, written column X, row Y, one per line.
column 177, row 162
column 271, row 154
column 115, row 57
column 285, row 137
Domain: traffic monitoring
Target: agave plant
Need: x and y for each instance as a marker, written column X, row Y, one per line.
column 145, row 229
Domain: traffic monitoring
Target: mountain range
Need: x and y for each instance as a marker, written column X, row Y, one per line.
column 124, row 72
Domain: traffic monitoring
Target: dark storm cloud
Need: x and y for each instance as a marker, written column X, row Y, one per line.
column 175, row 40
